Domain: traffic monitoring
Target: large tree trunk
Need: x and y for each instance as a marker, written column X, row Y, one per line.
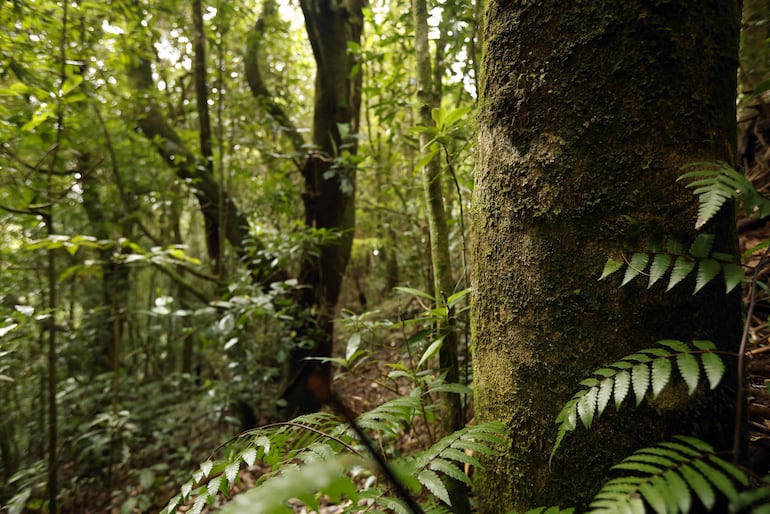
column 330, row 181
column 588, row 111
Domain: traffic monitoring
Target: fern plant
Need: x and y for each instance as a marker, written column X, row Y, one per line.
column 717, row 182
column 318, row 454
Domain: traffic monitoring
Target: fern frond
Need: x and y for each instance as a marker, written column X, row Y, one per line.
column 715, row 183
column 681, row 264
column 647, row 372
column 755, row 500
column 391, row 416
column 455, row 450
column 666, row 477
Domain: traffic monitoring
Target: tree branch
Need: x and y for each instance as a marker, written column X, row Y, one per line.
column 257, row 84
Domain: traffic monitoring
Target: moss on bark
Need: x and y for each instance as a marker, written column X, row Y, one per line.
column 588, row 111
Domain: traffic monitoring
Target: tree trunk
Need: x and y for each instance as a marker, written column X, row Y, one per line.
column 429, row 96
column 588, row 112
column 330, row 182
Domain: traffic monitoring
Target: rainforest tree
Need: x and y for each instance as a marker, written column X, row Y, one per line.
column 588, row 112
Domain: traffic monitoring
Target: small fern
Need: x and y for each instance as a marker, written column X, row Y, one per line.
column 715, row 183
column 681, row 263
column 317, row 453
column 645, row 372
column 665, row 476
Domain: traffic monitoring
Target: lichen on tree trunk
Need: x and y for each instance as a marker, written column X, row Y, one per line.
column 588, row 111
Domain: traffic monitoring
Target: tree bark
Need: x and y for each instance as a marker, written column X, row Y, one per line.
column 329, row 174
column 588, row 111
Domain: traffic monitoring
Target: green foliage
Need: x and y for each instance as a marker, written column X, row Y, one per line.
column 681, row 264
column 665, row 477
column 646, row 372
column 318, row 454
column 715, row 183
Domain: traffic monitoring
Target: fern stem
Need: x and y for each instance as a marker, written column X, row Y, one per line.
column 742, row 357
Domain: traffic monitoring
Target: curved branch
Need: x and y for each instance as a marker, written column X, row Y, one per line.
column 215, row 203
column 257, row 84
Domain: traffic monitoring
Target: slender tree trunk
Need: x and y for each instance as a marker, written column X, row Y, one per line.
column 428, row 94
column 588, row 111
column 213, row 237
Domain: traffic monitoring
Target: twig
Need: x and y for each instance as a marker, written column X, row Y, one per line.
column 742, row 359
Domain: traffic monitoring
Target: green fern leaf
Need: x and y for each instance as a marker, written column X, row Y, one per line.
column 715, row 368
column 707, row 270
column 393, row 505
column 586, row 407
column 758, row 497
column 655, row 496
column 449, row 469
column 735, row 472
column 464, row 444
column 715, row 183
column 733, row 276
column 661, row 374
column 680, row 448
column 198, row 505
column 231, row 471
column 605, row 393
column 718, row 479
column 674, row 246
column 636, row 266
column 682, row 267
column 699, row 485
column 701, row 247
column 644, row 455
column 680, row 491
column 610, row 267
column 459, row 456
column 214, row 485
column 433, row 483
column 640, row 378
column 677, row 346
column 659, row 267
column 641, row 467
column 688, row 368
column 622, row 386
column 669, row 498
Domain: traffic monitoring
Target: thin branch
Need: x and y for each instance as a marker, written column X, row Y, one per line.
column 257, row 84
column 742, row 357
column 182, row 282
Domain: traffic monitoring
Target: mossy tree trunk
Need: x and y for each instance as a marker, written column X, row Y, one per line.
column 588, row 111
